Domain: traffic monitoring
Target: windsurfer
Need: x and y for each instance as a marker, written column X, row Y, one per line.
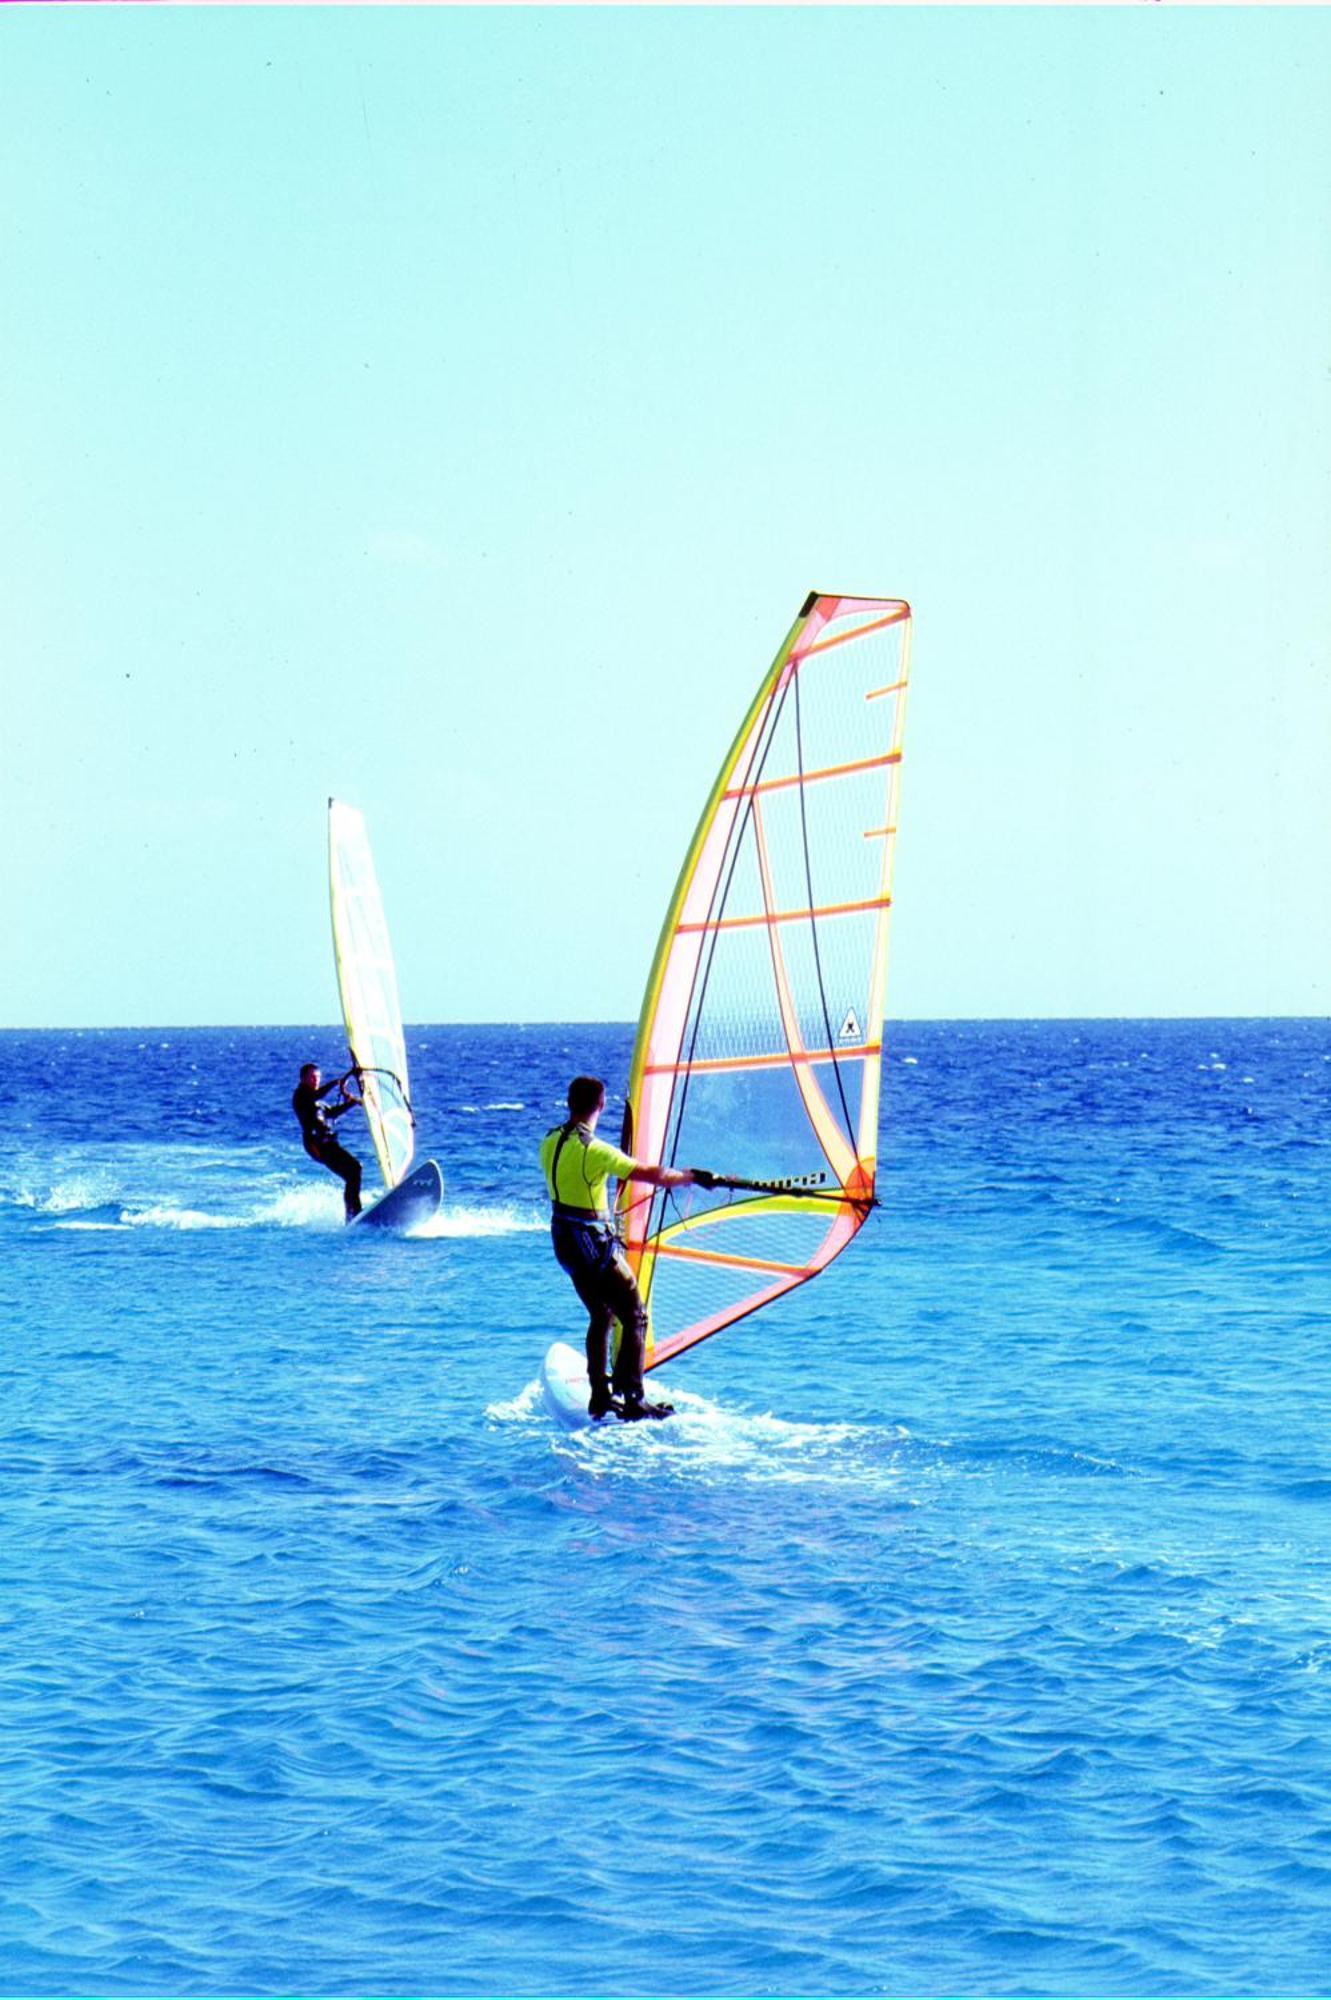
column 316, row 1129
column 577, row 1166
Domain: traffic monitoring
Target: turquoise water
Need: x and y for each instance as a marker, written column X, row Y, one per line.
column 967, row 1632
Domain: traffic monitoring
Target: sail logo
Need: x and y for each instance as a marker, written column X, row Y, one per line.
column 850, row 1028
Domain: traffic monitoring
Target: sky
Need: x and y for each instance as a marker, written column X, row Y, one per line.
column 448, row 410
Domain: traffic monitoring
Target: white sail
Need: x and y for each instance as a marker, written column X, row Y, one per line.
column 368, row 984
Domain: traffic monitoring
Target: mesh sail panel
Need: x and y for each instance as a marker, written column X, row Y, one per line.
column 759, row 1047
column 368, row 985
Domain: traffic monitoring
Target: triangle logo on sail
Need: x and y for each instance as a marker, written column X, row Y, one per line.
column 851, row 1030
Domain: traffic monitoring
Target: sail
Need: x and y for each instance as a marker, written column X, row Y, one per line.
column 368, row 984
column 759, row 1047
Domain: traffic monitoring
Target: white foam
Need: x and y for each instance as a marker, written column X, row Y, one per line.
column 526, row 1404
column 166, row 1217
column 773, row 1445
column 293, row 1208
column 703, row 1438
column 303, row 1207
column 80, row 1191
column 507, row 1221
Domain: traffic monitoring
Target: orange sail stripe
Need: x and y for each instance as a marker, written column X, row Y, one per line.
column 860, row 632
column 734, row 1263
column 880, row 833
column 788, row 916
column 876, row 694
column 811, row 777
column 786, row 1060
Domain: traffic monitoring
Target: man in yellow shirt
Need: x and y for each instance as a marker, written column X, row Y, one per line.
column 577, row 1166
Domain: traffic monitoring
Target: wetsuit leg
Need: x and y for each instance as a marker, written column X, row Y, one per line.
column 348, row 1170
column 606, row 1286
column 621, row 1294
column 581, row 1252
column 599, row 1326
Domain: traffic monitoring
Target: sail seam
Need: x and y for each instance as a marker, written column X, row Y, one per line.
column 813, row 926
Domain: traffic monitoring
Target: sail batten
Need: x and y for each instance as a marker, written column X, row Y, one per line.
column 702, row 1064
column 786, row 916
column 367, row 982
column 759, row 1044
column 814, row 777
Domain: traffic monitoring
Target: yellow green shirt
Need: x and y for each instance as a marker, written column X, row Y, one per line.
column 586, row 1163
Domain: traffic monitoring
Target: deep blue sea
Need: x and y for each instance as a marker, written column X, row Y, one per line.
column 968, row 1631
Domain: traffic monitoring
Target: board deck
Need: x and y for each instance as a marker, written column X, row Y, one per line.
column 412, row 1202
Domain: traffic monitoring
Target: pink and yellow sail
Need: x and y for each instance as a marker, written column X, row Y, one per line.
column 759, row 1047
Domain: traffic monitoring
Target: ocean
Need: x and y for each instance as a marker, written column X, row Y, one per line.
column 968, row 1631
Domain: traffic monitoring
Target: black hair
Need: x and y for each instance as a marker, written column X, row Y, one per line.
column 584, row 1095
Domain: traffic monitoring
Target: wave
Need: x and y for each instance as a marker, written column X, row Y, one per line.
column 292, row 1208
column 78, row 1194
column 84, row 1204
column 1164, row 1235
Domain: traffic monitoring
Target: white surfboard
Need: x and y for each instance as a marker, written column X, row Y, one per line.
column 412, row 1202
column 564, row 1385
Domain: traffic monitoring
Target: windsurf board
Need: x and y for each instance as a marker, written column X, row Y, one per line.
column 413, row 1201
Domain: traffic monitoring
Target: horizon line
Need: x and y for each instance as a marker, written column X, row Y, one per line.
column 336, row 1028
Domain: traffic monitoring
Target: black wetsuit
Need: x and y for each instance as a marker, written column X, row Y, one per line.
column 320, row 1142
column 603, row 1281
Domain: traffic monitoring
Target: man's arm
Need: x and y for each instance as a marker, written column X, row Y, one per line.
column 338, row 1083
column 662, row 1176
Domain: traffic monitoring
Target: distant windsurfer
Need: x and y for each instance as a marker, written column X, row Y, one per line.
column 577, row 1166
column 316, row 1128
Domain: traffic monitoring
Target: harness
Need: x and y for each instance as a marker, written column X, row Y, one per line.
column 566, row 1209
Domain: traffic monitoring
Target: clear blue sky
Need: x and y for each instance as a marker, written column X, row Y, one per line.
column 449, row 409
